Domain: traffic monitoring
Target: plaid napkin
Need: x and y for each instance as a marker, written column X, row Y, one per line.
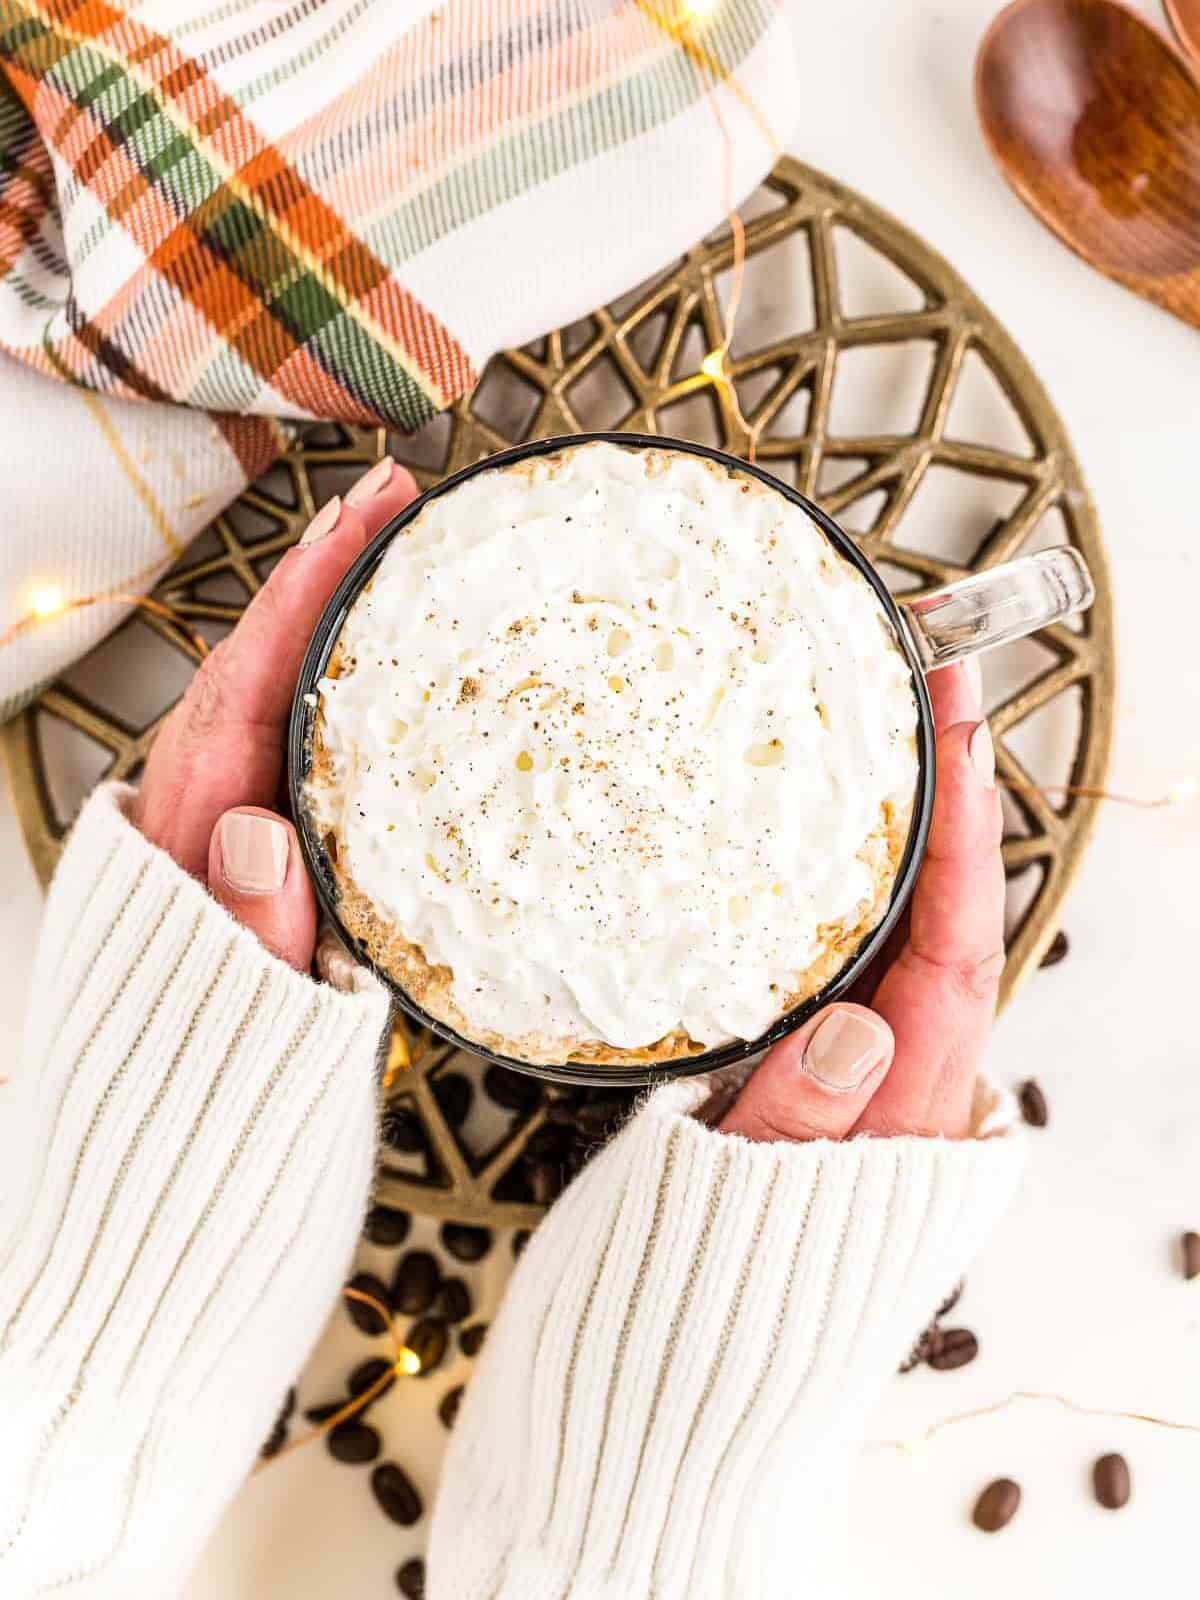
column 274, row 209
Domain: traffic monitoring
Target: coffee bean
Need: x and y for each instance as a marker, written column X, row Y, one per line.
column 952, row 1347
column 385, row 1226
column 1191, row 1255
column 471, row 1339
column 1033, row 1104
column 453, row 1301
column 410, row 1579
column 428, row 1339
column 364, row 1317
column 464, row 1242
column 545, row 1181
column 1110, row 1480
column 599, row 1117
column 997, row 1505
column 353, row 1441
column 453, row 1093
column 511, row 1090
column 319, row 1414
column 401, row 1129
column 368, row 1373
column 415, row 1282
column 276, row 1440
column 519, row 1240
column 952, row 1299
column 448, row 1407
column 550, row 1142
column 1056, row 950
column 289, row 1406
column 396, row 1494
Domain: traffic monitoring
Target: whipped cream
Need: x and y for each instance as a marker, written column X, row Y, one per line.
column 612, row 733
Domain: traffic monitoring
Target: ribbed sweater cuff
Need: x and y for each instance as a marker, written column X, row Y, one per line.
column 686, row 1353
column 200, row 1144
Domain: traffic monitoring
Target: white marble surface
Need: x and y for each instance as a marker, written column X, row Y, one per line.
column 1080, row 1292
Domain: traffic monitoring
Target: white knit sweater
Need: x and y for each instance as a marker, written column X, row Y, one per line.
column 666, row 1409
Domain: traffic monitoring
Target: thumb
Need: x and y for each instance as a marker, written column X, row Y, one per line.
column 815, row 1083
column 256, row 872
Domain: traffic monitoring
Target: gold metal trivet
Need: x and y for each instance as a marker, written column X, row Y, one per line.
column 636, row 365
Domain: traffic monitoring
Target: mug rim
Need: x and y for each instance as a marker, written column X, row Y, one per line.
column 320, row 872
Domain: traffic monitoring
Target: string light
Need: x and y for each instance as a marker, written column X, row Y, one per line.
column 698, row 10
column 1179, row 794
column 47, row 601
column 406, row 1363
column 917, row 1445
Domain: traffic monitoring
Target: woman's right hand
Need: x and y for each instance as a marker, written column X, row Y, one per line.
column 908, row 1062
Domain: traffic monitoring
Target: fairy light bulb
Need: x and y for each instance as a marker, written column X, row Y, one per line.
column 408, row 1362
column 1187, row 789
column 47, row 600
column 713, row 366
column 697, row 10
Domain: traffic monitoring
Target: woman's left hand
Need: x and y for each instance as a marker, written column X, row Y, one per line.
column 215, row 769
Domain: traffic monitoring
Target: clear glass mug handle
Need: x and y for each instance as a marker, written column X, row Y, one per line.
column 990, row 608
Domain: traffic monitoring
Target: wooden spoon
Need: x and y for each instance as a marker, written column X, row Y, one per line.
column 1095, row 121
column 1184, row 17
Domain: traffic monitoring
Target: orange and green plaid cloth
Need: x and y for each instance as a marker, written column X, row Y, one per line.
column 293, row 209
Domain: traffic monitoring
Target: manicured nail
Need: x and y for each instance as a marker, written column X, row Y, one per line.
column 370, row 484
column 846, row 1049
column 983, row 755
column 975, row 679
column 323, row 523
column 254, row 852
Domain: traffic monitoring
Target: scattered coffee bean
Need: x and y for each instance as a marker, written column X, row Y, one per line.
column 997, row 1505
column 385, row 1226
column 415, row 1282
column 951, row 1300
column 519, row 1241
column 449, row 1404
column 396, row 1494
column 545, row 1181
column 401, row 1129
column 364, row 1317
column 1191, row 1254
column 453, row 1093
column 354, row 1442
column 952, row 1347
column 466, row 1243
column 511, row 1090
column 410, row 1579
column 471, row 1339
column 319, row 1414
column 428, row 1338
column 276, row 1440
column 1110, row 1480
column 289, row 1405
column 368, row 1373
column 1033, row 1104
column 453, row 1301
column 1056, row 950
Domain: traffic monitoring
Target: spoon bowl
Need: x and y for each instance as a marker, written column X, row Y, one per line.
column 1095, row 122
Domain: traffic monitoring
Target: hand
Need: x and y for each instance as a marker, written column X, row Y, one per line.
column 908, row 1063
column 215, row 768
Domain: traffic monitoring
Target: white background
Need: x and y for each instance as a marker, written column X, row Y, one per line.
column 1081, row 1291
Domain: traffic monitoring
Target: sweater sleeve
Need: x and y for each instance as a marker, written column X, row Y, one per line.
column 689, row 1351
column 196, row 1141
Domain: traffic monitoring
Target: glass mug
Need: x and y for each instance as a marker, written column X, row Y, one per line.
column 977, row 613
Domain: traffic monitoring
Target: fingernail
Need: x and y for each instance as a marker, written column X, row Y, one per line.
column 369, row 485
column 254, row 852
column 324, row 522
column 846, row 1049
column 975, row 679
column 983, row 755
